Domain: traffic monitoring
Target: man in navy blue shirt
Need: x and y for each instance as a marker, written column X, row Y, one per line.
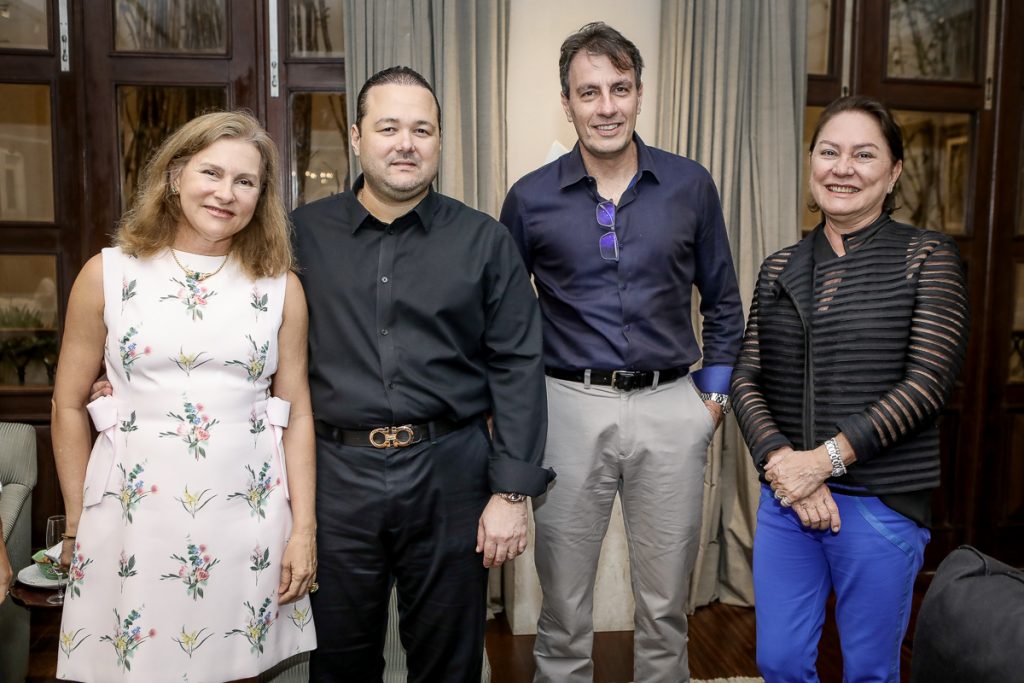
column 616, row 234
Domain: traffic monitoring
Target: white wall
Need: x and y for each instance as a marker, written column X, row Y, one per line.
column 537, row 29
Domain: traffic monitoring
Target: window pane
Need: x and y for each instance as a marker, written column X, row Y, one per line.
column 319, row 146
column 28, row 319
column 932, row 39
column 26, row 153
column 932, row 192
column 811, row 114
column 178, row 26
column 1016, row 373
column 23, row 25
column 147, row 114
column 819, row 24
column 315, row 28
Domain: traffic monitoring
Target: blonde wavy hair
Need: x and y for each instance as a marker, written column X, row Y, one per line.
column 263, row 247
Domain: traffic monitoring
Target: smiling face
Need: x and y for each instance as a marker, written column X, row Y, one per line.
column 398, row 142
column 852, row 170
column 602, row 104
column 219, row 189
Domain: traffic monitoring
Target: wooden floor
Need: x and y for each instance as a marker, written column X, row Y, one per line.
column 721, row 644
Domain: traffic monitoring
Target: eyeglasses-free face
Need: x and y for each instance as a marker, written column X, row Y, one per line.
column 608, row 243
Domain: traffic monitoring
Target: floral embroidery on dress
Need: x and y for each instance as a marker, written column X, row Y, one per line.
column 187, row 362
column 260, row 560
column 127, row 291
column 300, row 617
column 193, row 295
column 133, row 490
column 257, row 626
column 128, row 426
column 76, row 573
column 194, row 502
column 130, row 351
column 256, row 426
column 194, row 570
column 126, row 568
column 127, row 637
column 193, row 428
column 190, row 642
column 258, row 301
column 69, row 640
column 260, row 486
column 257, row 359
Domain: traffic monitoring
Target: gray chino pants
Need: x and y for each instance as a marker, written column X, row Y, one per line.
column 650, row 447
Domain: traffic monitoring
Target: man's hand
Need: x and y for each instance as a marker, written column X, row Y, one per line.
column 501, row 533
column 794, row 475
column 818, row 510
column 101, row 388
column 717, row 413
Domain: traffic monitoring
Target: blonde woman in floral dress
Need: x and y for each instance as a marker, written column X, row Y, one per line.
column 191, row 532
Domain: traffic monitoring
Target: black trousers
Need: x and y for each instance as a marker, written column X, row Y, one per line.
column 405, row 516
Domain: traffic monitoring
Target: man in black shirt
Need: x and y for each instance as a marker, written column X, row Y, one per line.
column 422, row 323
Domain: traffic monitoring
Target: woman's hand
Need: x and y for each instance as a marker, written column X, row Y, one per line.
column 298, row 567
column 6, row 573
column 818, row 510
column 67, row 552
column 794, row 475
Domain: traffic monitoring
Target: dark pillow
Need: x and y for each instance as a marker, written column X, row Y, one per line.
column 971, row 624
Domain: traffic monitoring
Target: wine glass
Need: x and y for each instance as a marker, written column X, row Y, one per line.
column 55, row 527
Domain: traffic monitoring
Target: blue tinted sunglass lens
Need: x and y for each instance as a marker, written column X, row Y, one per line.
column 606, row 214
column 609, row 247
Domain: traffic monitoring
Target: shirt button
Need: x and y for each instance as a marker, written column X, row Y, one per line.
column 384, row 279
column 626, row 328
column 622, row 286
column 391, row 385
column 391, row 231
column 384, row 332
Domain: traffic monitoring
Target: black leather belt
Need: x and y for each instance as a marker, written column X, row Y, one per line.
column 623, row 380
column 396, row 436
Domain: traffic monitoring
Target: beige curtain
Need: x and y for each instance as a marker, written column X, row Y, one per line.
column 731, row 96
column 460, row 47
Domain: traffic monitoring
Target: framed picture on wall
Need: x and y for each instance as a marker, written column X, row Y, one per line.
column 953, row 176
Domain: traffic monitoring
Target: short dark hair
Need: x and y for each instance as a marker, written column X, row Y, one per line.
column 598, row 38
column 395, row 75
column 880, row 113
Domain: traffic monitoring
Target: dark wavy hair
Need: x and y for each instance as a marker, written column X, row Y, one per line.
column 887, row 124
column 598, row 38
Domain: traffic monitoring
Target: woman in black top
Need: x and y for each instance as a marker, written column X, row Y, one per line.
column 855, row 337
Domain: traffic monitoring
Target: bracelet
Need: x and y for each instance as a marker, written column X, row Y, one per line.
column 838, row 468
column 510, row 497
column 68, row 537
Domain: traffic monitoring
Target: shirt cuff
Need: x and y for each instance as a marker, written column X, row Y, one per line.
column 515, row 476
column 713, row 378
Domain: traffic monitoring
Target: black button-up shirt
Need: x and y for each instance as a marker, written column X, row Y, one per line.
column 635, row 312
column 429, row 317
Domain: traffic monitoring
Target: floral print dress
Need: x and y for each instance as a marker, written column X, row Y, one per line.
column 186, row 510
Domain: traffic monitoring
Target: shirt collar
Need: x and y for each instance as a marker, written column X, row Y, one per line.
column 424, row 211
column 572, row 169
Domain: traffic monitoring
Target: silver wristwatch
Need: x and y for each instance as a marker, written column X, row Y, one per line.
column 720, row 399
column 512, row 497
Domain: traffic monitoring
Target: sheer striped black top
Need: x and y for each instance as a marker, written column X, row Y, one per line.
column 868, row 344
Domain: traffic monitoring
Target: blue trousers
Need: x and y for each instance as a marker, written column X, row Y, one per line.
column 870, row 564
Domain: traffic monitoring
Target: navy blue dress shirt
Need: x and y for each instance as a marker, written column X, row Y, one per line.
column 633, row 313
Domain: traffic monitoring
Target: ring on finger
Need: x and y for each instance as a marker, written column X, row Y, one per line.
column 778, row 494
column 786, row 502
column 314, row 587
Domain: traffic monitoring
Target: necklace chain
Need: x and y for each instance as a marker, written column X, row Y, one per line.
column 195, row 274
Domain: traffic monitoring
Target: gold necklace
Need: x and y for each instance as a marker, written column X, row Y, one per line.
column 195, row 274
